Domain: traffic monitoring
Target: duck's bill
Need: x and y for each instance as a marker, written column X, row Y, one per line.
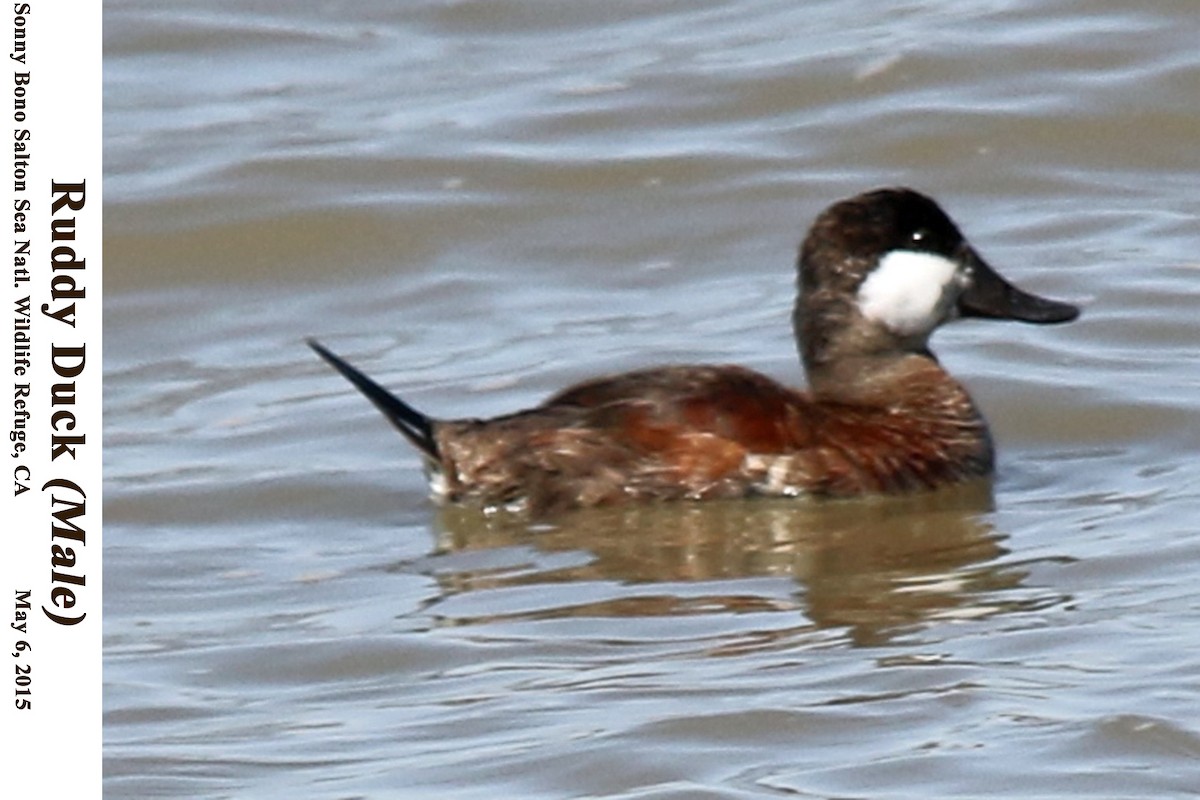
column 992, row 297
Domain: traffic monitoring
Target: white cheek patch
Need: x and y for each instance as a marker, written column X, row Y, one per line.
column 910, row 292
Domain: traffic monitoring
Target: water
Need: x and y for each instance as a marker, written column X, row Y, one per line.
column 480, row 202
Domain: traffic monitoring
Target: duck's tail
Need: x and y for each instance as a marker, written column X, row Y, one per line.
column 415, row 426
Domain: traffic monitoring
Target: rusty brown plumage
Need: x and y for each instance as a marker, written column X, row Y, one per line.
column 708, row 432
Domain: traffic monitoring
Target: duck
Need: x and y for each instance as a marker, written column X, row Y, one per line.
column 877, row 274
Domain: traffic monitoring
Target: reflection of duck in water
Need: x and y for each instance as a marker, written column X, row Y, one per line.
column 878, row 274
column 873, row 568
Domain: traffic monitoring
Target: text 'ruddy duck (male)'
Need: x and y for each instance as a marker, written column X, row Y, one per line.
column 878, row 273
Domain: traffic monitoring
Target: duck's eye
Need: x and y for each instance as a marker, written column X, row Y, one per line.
column 919, row 236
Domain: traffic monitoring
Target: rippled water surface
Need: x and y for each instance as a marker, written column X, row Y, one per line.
column 481, row 201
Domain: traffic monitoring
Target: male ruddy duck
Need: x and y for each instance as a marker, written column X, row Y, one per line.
column 877, row 274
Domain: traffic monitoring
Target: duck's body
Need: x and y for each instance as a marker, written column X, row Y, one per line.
column 878, row 273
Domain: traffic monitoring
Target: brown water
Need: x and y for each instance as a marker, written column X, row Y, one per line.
column 481, row 201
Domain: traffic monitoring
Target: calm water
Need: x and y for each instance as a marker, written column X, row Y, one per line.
column 481, row 201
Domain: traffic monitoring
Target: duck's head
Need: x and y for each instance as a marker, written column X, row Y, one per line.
column 879, row 272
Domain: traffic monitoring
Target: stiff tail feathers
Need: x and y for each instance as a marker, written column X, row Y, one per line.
column 415, row 426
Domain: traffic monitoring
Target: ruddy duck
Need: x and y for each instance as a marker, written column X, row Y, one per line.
column 878, row 273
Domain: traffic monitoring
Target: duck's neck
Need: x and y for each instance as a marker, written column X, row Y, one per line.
column 885, row 380
column 909, row 385
column 847, row 360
